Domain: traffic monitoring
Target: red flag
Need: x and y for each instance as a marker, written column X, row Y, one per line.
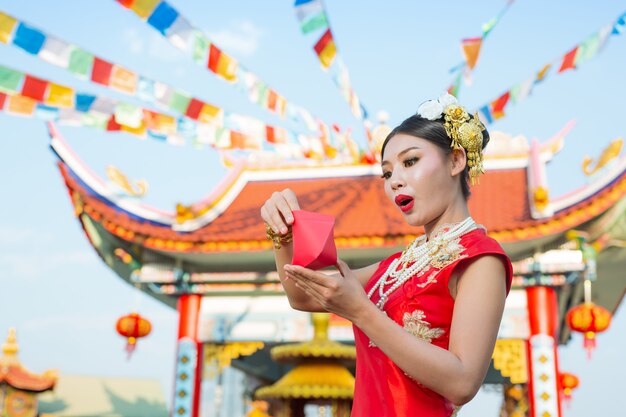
column 193, row 109
column 497, row 106
column 101, row 71
column 34, row 88
column 214, row 58
column 568, row 60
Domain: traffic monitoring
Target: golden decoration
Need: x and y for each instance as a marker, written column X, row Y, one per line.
column 319, row 373
column 466, row 133
column 122, row 181
column 415, row 324
column 318, row 348
column 277, row 238
column 608, row 154
column 540, row 198
column 509, row 357
column 219, row 356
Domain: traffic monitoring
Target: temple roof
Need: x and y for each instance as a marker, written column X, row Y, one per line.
column 14, row 374
column 512, row 202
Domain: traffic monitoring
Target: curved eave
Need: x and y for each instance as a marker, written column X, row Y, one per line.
column 18, row 377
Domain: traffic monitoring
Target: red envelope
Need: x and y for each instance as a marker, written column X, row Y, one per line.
column 313, row 240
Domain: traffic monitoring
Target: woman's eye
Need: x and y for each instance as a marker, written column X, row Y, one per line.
column 386, row 175
column 410, row 162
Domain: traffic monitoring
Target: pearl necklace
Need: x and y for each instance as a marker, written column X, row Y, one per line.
column 421, row 253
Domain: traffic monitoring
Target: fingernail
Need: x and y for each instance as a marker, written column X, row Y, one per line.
column 289, row 219
column 283, row 229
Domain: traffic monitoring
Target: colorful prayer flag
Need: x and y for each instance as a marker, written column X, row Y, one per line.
column 179, row 101
column 101, row 72
column 325, row 49
column 123, row 80
column 34, row 88
column 162, row 17
column 471, row 50
column 498, row 105
column 7, row 24
column 210, row 114
column 10, row 80
column 84, row 102
column 181, row 34
column 144, row 8
column 28, row 38
column 21, row 105
column 60, row 96
column 214, row 58
column 200, row 47
column 227, row 67
column 316, row 22
column 81, row 62
column 56, row 52
column 568, row 60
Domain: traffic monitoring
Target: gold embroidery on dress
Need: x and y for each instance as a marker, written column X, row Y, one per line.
column 415, row 324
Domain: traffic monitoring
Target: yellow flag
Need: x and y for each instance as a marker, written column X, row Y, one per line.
column 210, row 114
column 7, row 23
column 60, row 96
column 144, row 8
column 328, row 54
column 227, row 67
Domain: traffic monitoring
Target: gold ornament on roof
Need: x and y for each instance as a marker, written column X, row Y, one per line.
column 464, row 131
column 122, row 181
column 608, row 154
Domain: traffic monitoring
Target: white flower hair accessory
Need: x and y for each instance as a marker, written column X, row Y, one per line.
column 433, row 109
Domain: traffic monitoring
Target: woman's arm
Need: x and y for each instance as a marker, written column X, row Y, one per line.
column 456, row 373
column 277, row 212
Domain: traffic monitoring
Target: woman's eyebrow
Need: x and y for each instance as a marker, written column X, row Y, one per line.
column 401, row 153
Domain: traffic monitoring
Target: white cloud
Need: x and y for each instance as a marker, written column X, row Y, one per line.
column 154, row 45
column 241, row 37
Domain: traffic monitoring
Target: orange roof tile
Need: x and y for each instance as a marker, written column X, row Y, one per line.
column 364, row 215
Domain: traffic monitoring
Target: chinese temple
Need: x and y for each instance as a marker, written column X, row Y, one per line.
column 19, row 387
column 212, row 263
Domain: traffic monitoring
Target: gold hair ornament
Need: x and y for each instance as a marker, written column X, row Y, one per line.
column 463, row 131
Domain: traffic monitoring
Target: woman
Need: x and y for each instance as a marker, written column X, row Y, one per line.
column 425, row 320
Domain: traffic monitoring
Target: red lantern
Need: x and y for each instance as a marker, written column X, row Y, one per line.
column 589, row 319
column 568, row 383
column 132, row 326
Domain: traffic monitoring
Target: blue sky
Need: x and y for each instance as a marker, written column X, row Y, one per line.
column 64, row 301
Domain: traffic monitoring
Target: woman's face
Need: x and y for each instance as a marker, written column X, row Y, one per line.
column 420, row 179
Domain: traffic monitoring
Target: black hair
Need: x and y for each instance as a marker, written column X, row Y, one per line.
column 432, row 131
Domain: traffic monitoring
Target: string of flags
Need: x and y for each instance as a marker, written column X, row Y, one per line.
column 22, row 94
column 179, row 32
column 314, row 21
column 579, row 54
column 86, row 65
column 470, row 47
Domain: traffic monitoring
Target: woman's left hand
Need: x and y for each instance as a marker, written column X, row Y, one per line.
column 342, row 295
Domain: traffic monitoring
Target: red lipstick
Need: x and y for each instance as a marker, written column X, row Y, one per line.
column 405, row 202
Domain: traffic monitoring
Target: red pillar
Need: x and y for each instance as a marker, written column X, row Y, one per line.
column 188, row 359
column 543, row 387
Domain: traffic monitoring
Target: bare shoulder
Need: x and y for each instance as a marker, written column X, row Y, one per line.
column 481, row 272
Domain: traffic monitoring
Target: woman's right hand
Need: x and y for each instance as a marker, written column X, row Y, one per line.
column 277, row 210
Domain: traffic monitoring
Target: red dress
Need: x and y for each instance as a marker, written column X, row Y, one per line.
column 423, row 306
